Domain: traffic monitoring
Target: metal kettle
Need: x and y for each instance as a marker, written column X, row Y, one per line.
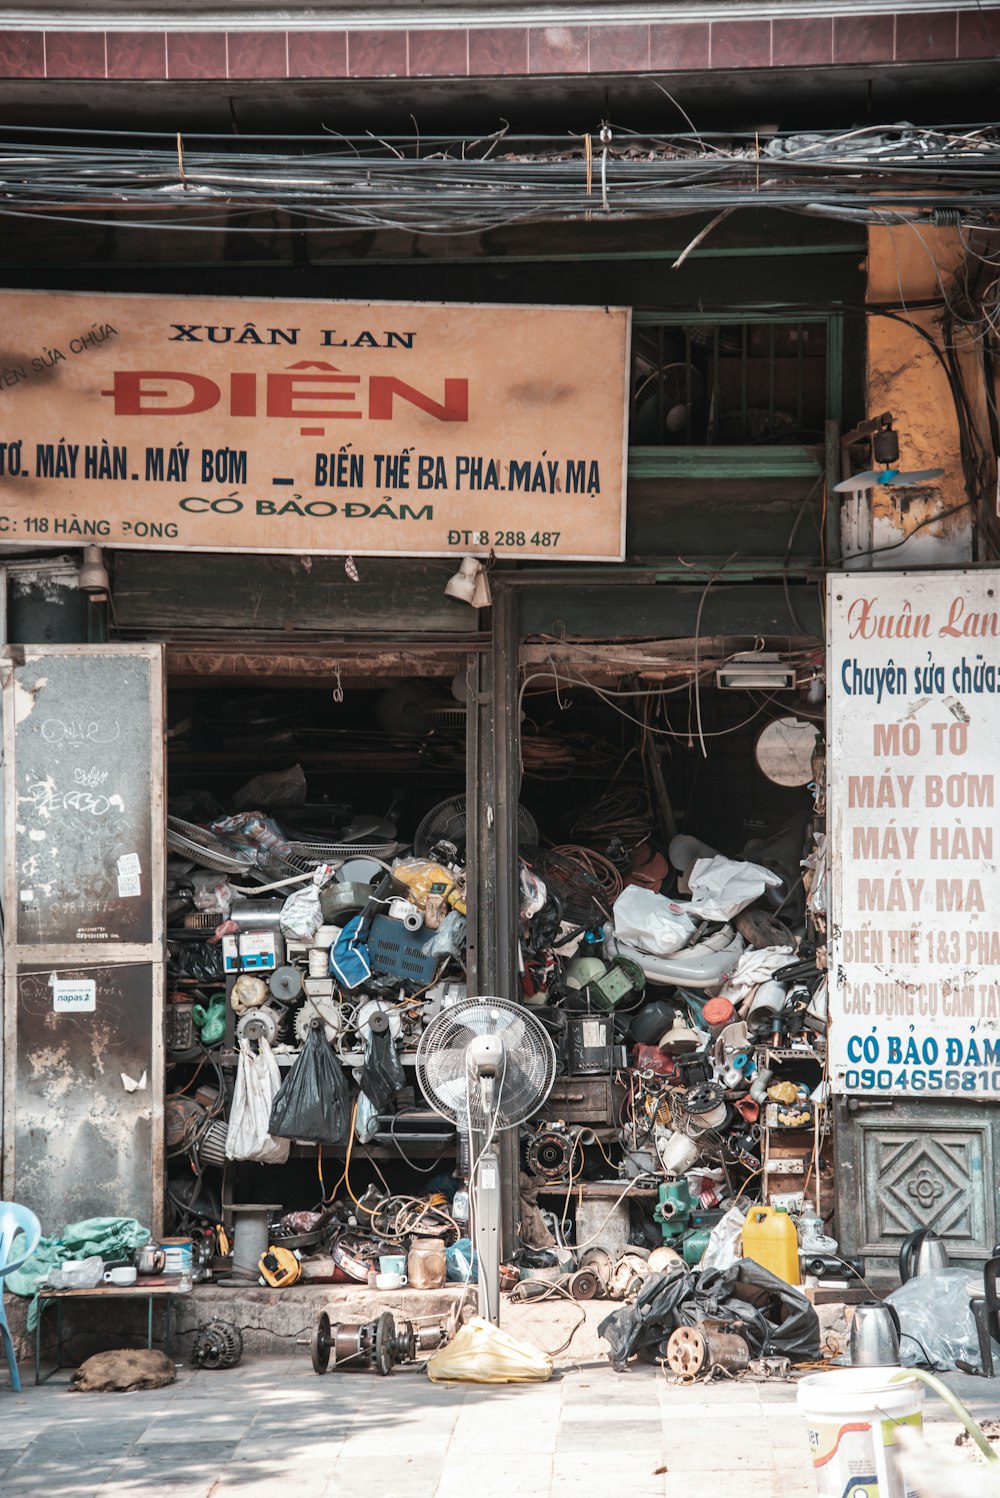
column 921, row 1253
column 875, row 1336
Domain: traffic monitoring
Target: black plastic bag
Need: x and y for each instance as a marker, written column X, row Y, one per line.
column 313, row 1101
column 195, row 959
column 774, row 1317
column 382, row 1074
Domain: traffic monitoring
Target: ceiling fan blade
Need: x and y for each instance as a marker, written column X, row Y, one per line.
column 920, row 476
column 859, row 481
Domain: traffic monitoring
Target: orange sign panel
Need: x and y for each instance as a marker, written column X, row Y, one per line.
column 372, row 428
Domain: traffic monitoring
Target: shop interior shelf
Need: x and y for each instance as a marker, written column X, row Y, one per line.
column 596, row 1190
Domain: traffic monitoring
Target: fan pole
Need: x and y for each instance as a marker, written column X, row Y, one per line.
column 486, row 1232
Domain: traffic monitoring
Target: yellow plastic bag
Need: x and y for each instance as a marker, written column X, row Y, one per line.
column 480, row 1353
column 419, row 874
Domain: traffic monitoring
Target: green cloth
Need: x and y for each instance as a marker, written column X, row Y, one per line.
column 110, row 1237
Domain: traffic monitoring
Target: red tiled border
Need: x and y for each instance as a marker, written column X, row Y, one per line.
column 504, row 51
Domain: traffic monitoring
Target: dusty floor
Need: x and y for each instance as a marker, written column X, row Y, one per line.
column 272, row 1427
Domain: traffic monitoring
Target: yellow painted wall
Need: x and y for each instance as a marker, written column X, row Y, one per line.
column 909, row 263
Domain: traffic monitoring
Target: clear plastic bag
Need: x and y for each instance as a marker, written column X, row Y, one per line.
column 462, row 1263
column 77, row 1274
column 936, row 1324
column 480, row 1353
column 449, row 939
column 274, row 788
column 212, row 892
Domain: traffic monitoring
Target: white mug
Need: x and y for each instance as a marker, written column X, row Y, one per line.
column 125, row 1274
column 386, row 1281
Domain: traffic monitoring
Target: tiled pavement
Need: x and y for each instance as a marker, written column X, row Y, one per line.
column 271, row 1427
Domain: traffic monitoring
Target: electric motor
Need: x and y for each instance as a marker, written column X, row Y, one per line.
column 217, row 1345
column 549, row 1153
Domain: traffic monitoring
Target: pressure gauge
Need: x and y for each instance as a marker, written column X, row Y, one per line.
column 784, row 751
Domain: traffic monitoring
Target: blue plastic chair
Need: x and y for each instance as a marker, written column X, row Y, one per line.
column 13, row 1220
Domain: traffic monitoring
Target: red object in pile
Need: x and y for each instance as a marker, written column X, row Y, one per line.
column 718, row 1013
column 651, row 1058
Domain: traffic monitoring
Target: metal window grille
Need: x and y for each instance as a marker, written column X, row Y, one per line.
column 752, row 381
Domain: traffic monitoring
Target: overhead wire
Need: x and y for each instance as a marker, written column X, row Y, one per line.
column 445, row 185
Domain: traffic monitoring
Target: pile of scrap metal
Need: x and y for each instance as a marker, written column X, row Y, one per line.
column 298, row 1003
column 686, row 997
column 703, row 1324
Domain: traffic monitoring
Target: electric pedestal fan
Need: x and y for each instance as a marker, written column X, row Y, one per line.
column 487, row 1065
column 447, row 822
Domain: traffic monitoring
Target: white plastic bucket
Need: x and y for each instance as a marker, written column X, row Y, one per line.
column 852, row 1415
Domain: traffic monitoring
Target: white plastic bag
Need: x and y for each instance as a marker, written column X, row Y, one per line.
column 212, row 892
column 480, row 1353
column 257, row 1081
column 725, row 1243
column 722, row 887
column 302, row 914
column 754, row 967
column 652, row 921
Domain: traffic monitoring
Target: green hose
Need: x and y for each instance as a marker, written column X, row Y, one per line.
column 955, row 1404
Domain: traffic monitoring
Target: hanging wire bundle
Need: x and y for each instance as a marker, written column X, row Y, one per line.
column 447, row 185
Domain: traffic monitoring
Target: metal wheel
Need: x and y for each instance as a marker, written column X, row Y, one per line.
column 687, row 1351
column 584, row 1284
column 322, row 1341
column 406, row 1342
column 385, row 1340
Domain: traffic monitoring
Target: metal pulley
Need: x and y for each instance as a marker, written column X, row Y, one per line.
column 584, row 1285
column 259, row 1024
column 326, row 1009
column 696, row 1350
column 285, row 984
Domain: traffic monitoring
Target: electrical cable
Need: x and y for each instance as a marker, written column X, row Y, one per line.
column 521, row 1293
column 423, row 1170
column 445, row 186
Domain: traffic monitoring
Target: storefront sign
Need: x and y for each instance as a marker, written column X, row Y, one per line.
column 211, row 424
column 914, row 703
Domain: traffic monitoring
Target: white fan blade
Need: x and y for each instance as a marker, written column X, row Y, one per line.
column 860, row 481
column 921, row 476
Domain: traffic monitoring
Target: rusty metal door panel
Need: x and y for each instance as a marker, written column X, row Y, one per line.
column 83, row 1142
column 84, row 941
column 906, row 1165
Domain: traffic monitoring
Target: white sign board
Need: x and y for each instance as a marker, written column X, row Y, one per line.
column 914, row 749
column 74, row 995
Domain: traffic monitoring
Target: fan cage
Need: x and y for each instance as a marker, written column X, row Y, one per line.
column 448, row 820
column 441, row 1062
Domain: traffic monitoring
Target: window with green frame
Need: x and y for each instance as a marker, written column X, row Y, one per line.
column 747, row 380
